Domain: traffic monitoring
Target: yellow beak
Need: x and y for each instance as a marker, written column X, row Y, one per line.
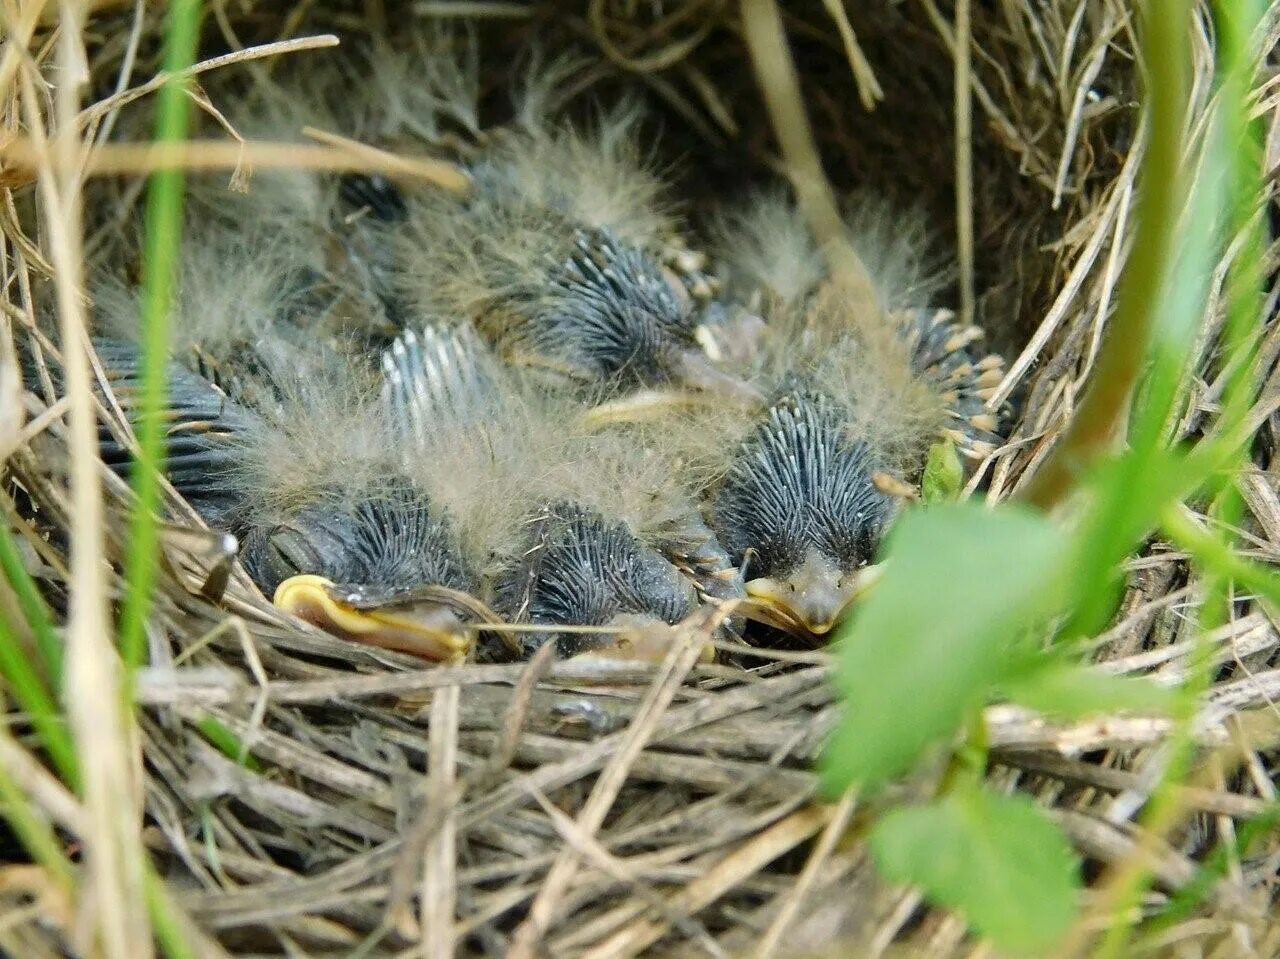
column 424, row 628
column 806, row 605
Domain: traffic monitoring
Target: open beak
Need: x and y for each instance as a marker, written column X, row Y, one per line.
column 640, row 638
column 803, row 606
column 424, row 628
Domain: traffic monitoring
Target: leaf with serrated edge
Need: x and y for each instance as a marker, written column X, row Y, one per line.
column 996, row 859
column 960, row 584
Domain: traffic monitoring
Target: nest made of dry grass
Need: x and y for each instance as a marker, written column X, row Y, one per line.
column 607, row 810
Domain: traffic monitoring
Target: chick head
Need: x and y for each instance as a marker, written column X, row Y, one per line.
column 380, row 571
column 798, row 507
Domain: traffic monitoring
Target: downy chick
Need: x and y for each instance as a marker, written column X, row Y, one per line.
column 567, row 530
column 291, row 452
column 554, row 258
column 797, row 498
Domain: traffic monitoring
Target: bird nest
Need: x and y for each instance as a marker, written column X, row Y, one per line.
column 298, row 794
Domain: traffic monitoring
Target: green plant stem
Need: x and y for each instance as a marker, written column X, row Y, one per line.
column 173, row 934
column 1163, row 392
column 34, row 611
column 163, row 236
column 968, row 763
column 35, row 834
column 36, row 701
column 1237, row 21
column 1166, row 54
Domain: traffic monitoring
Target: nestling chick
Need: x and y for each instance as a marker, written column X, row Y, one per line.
column 570, row 527
column 773, row 263
column 799, row 509
column 853, row 395
column 293, row 454
column 553, row 258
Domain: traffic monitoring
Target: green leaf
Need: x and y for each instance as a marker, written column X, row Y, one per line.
column 1073, row 692
column 961, row 584
column 996, row 859
column 943, row 473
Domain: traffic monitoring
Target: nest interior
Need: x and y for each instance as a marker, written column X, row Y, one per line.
column 614, row 809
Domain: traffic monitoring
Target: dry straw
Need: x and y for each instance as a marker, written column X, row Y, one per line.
column 278, row 791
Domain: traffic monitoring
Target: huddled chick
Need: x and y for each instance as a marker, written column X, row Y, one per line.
column 573, row 528
column 276, row 436
column 798, row 492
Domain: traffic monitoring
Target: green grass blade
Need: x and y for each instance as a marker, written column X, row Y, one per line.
column 163, row 237
column 227, row 742
column 32, row 604
column 37, row 702
column 174, row 935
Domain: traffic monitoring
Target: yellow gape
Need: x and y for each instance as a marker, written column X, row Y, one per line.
column 421, row 628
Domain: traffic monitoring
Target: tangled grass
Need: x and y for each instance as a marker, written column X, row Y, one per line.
column 260, row 788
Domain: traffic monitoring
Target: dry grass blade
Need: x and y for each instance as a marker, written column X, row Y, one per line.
column 142, row 158
column 685, row 652
column 832, row 834
column 99, row 110
column 447, row 176
column 766, row 39
column 869, row 89
column 767, row 846
column 95, row 705
column 439, row 888
column 964, row 160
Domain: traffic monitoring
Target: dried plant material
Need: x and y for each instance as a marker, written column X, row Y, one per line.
column 298, row 790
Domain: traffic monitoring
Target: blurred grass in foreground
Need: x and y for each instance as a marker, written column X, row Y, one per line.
column 960, row 615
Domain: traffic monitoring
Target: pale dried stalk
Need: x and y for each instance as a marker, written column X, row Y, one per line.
column 869, row 89
column 142, row 158
column 769, row 845
column 439, row 879
column 114, row 857
column 832, row 834
column 964, row 159
column 100, row 109
column 776, row 71
column 683, row 656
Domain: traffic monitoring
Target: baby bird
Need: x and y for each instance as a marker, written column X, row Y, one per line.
column 329, row 526
column 277, row 435
column 571, row 526
column 548, row 257
column 798, row 498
